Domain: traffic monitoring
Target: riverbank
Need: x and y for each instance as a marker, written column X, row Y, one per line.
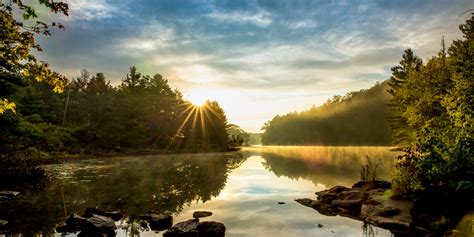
column 52, row 158
column 373, row 202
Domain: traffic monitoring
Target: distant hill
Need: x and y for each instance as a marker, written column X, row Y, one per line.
column 357, row 118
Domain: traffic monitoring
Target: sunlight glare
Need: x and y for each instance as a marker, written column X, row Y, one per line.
column 199, row 96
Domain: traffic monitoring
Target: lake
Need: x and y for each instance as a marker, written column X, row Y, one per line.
column 242, row 189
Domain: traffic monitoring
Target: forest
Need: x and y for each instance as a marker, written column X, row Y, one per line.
column 143, row 113
column 357, row 118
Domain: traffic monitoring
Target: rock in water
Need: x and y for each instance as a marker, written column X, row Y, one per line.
column 201, row 214
column 116, row 216
column 160, row 222
column 102, row 223
column 183, row 229
column 94, row 224
column 192, row 228
column 387, row 213
column 211, row 229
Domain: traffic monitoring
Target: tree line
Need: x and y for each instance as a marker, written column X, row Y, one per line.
column 91, row 116
column 357, row 118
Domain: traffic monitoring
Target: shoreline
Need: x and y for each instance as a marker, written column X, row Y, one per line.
column 373, row 202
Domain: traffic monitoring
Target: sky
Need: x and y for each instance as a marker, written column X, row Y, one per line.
column 256, row 58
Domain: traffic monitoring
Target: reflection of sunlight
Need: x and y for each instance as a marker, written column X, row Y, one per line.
column 248, row 206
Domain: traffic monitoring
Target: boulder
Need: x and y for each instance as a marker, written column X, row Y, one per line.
column 211, row 229
column 192, row 228
column 116, row 216
column 329, row 194
column 320, row 206
column 160, row 222
column 365, row 201
column 386, row 212
column 94, row 224
column 201, row 214
column 183, row 229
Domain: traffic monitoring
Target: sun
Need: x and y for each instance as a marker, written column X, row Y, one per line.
column 198, row 96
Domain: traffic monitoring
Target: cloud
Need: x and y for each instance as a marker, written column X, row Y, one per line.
column 259, row 18
column 271, row 56
column 89, row 10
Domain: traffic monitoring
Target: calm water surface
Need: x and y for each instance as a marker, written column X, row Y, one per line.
column 241, row 189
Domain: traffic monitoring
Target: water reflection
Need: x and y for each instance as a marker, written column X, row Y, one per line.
column 242, row 189
column 328, row 166
column 135, row 186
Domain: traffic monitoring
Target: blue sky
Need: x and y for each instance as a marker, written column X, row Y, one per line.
column 257, row 58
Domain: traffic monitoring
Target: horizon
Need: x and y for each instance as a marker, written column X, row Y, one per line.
column 256, row 58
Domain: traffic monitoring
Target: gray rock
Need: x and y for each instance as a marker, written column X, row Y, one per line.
column 387, row 213
column 183, row 229
column 94, row 224
column 320, row 225
column 211, row 229
column 201, row 214
column 364, row 201
column 352, row 205
column 329, row 194
column 281, row 203
column 320, row 206
column 160, row 222
column 116, row 216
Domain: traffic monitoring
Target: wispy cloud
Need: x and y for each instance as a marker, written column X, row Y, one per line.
column 92, row 10
column 260, row 18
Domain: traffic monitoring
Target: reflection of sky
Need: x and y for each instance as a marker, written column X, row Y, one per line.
column 248, row 207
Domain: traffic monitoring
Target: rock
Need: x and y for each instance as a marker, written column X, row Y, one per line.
column 351, row 205
column 305, row 201
column 94, row 224
column 329, row 194
column 75, row 223
column 183, row 229
column 160, row 222
column 320, row 225
column 281, row 203
column 102, row 223
column 365, row 201
column 352, row 194
column 366, row 184
column 320, row 206
column 116, row 216
column 9, row 194
column 201, row 214
column 211, row 229
column 387, row 213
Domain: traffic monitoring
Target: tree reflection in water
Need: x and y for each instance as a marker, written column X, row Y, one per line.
column 133, row 185
column 328, row 166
